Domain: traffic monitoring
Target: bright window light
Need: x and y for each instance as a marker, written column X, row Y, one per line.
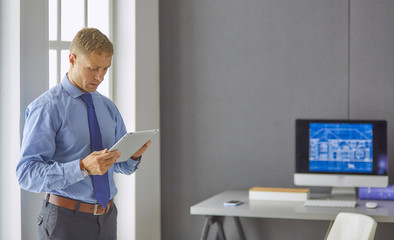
column 64, row 62
column 52, row 68
column 98, row 15
column 52, row 18
column 73, row 15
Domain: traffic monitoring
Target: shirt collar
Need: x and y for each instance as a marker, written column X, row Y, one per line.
column 70, row 88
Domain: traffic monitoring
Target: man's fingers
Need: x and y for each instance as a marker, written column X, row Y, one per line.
column 104, row 159
column 110, row 155
column 105, row 155
column 148, row 144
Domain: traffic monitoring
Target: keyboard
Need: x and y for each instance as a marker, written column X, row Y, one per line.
column 330, row 203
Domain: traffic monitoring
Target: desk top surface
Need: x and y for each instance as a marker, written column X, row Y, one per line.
column 285, row 209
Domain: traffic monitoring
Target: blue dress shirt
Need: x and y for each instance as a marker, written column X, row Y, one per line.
column 55, row 138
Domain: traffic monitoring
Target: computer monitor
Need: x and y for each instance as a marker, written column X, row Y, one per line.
column 341, row 154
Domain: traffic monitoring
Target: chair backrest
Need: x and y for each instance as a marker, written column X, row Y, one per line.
column 349, row 226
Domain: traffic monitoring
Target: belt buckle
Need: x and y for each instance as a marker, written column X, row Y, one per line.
column 96, row 206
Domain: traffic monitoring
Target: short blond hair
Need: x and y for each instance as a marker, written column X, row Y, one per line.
column 89, row 40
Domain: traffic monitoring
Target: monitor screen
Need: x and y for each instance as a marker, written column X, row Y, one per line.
column 340, row 147
column 348, row 153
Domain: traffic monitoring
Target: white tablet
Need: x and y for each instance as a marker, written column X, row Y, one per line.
column 131, row 142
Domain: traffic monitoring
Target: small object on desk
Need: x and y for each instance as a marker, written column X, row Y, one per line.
column 233, row 203
column 330, row 203
column 371, row 204
column 279, row 194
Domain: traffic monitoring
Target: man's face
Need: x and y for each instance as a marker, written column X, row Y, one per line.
column 87, row 72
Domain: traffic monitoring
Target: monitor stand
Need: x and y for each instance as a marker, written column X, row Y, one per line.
column 343, row 193
column 337, row 193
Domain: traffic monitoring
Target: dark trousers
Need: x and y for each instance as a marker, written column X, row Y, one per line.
column 57, row 223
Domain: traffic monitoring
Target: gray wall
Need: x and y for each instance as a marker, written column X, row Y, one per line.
column 34, row 81
column 234, row 77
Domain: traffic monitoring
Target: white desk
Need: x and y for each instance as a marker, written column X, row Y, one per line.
column 215, row 212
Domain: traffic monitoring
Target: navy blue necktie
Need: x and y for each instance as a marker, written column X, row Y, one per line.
column 100, row 182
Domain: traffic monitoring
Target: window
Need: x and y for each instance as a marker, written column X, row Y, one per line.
column 66, row 18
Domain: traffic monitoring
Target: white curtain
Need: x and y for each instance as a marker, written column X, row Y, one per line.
column 10, row 200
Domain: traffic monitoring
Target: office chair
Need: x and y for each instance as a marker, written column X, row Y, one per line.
column 352, row 226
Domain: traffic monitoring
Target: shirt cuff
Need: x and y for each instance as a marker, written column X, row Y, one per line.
column 72, row 170
column 135, row 163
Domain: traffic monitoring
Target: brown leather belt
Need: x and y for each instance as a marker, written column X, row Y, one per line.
column 95, row 209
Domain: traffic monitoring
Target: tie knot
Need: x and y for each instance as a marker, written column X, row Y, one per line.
column 87, row 98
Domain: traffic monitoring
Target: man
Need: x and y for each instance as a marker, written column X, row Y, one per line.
column 65, row 145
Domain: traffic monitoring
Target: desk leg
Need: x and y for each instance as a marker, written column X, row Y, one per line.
column 208, row 222
column 220, row 234
column 239, row 228
column 205, row 230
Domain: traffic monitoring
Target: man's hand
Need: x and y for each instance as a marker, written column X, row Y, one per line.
column 141, row 151
column 98, row 162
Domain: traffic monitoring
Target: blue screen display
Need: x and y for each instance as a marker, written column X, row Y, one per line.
column 340, row 147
